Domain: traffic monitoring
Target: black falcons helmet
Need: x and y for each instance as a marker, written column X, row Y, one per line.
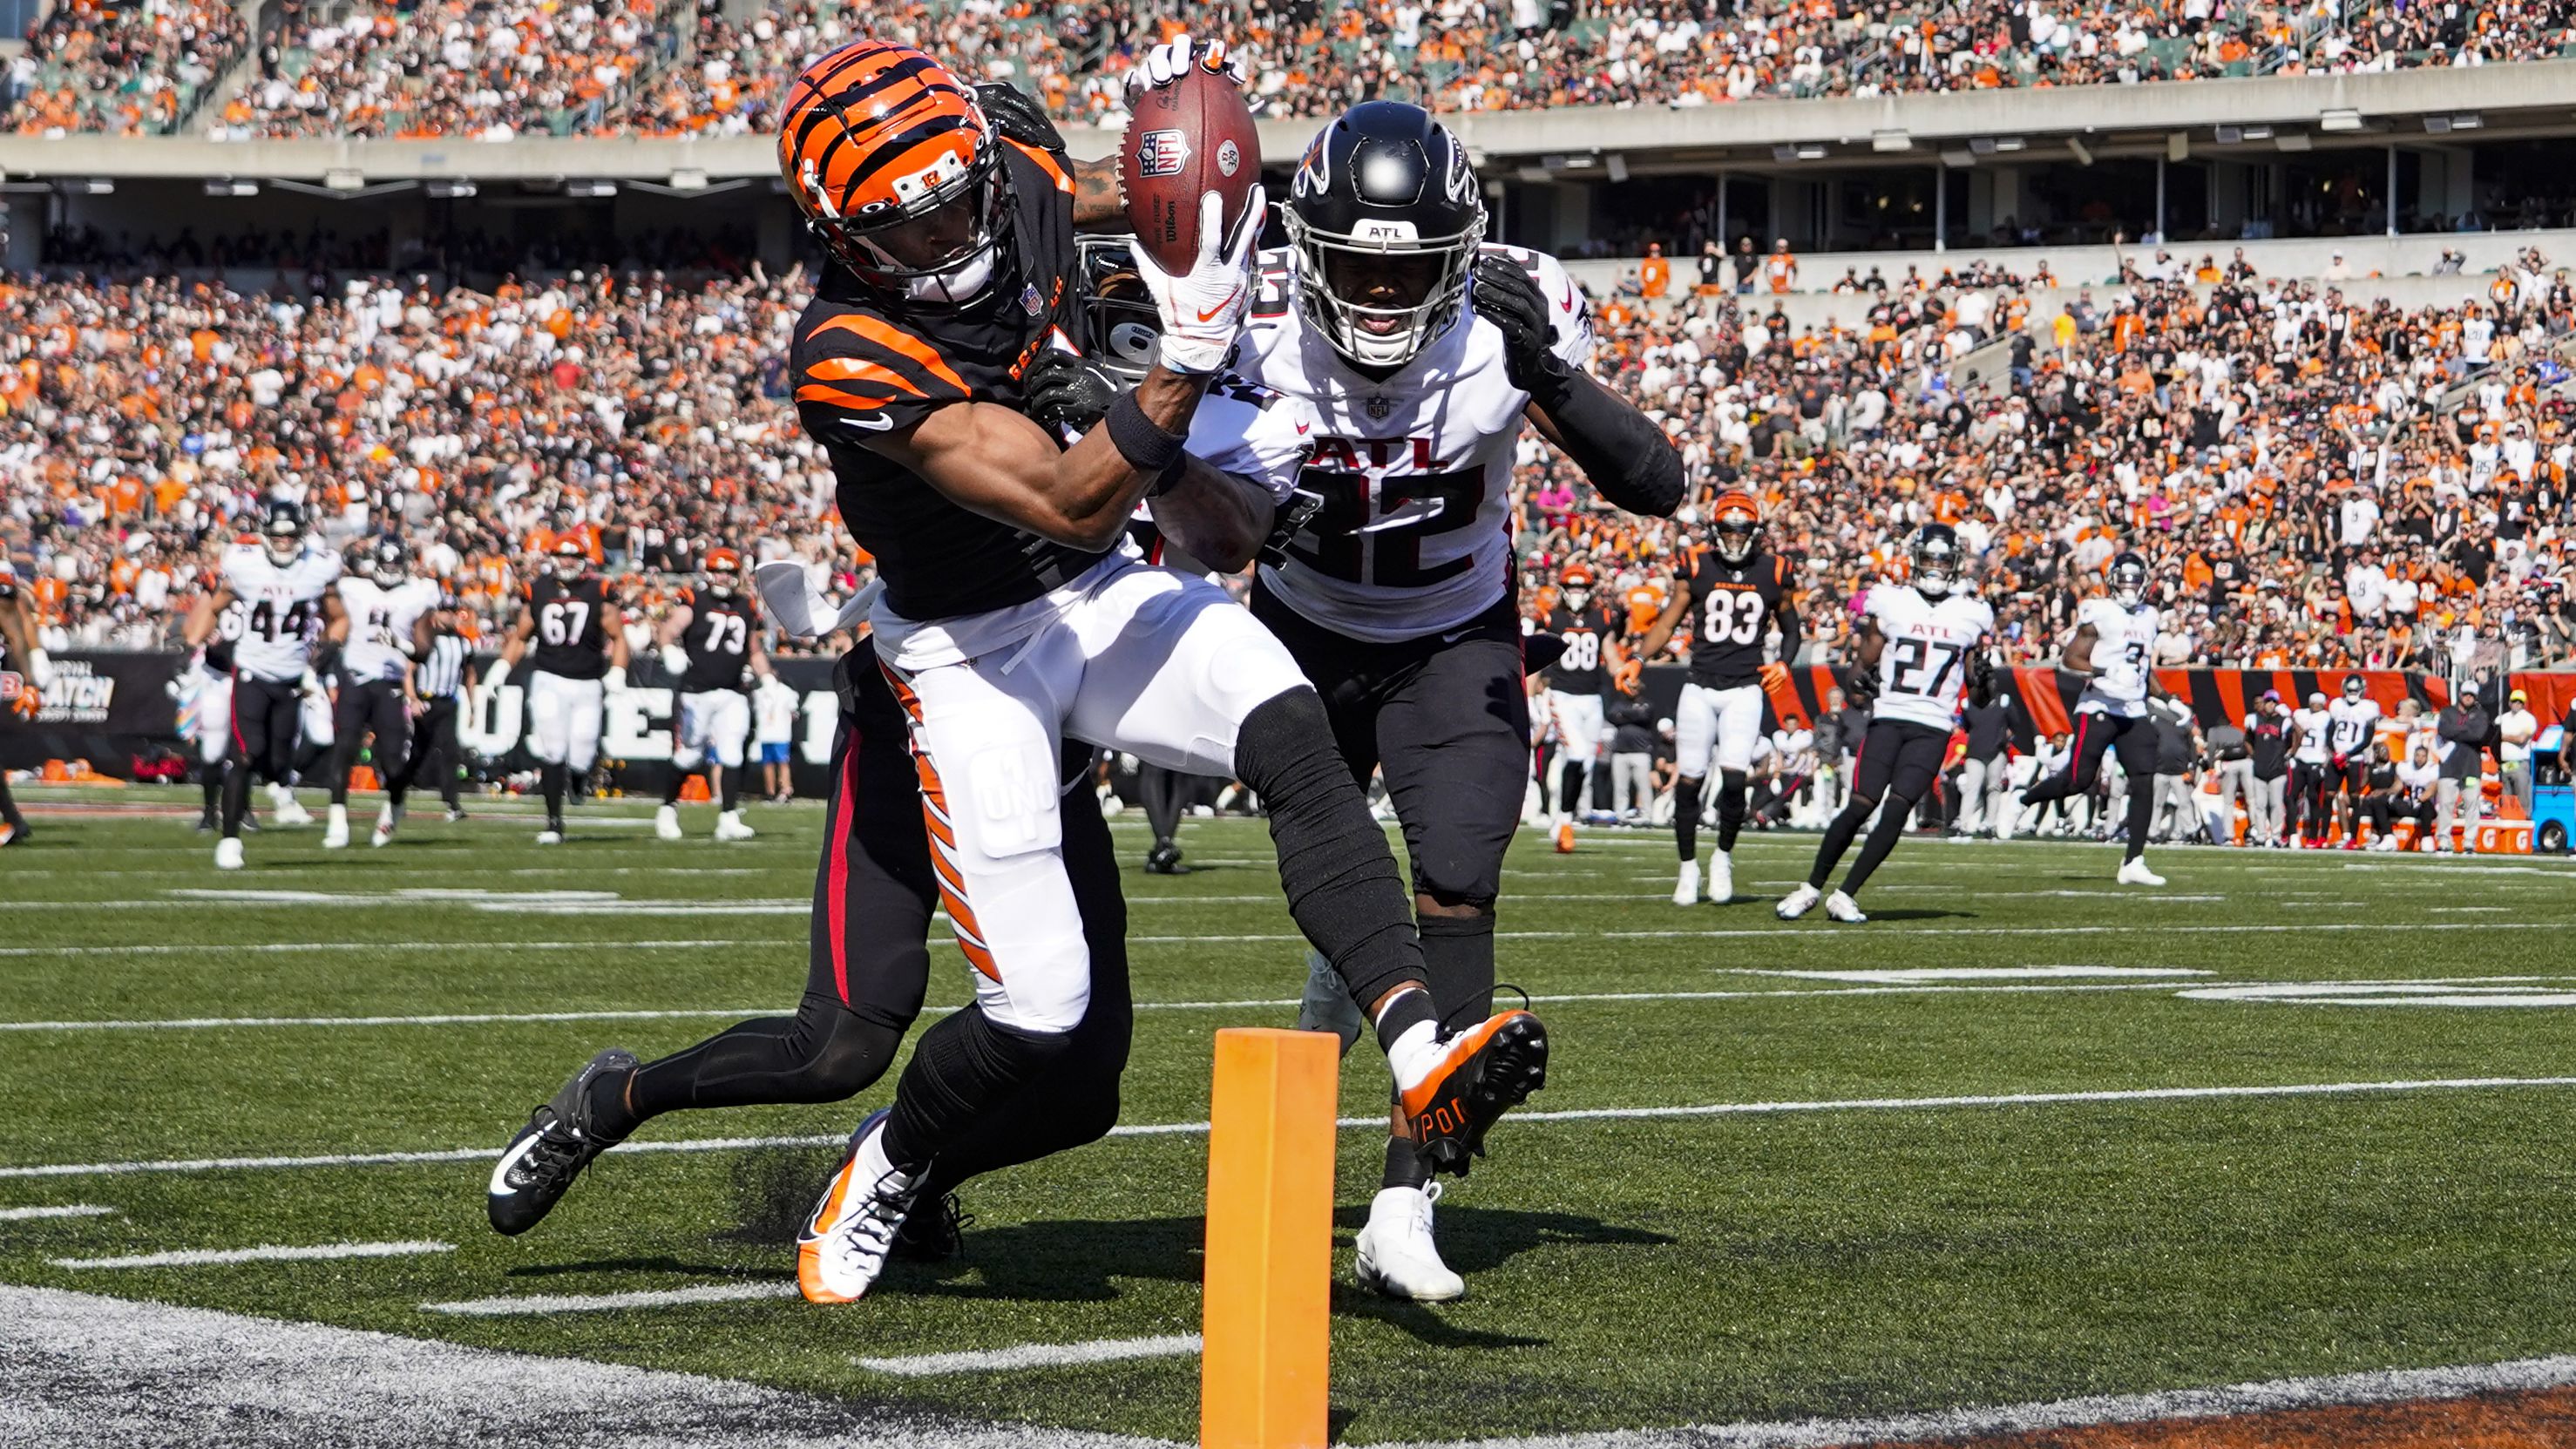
column 281, row 530
column 386, row 559
column 1936, row 560
column 1385, row 194
column 1120, row 323
column 2129, row 580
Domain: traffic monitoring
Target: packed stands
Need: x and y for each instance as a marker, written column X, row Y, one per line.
column 122, row 70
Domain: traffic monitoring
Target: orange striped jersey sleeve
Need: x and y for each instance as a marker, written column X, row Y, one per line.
column 858, row 374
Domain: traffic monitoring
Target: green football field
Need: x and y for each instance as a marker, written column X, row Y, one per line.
column 1770, row 1177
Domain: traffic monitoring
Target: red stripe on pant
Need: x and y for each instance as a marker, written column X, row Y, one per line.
column 836, row 890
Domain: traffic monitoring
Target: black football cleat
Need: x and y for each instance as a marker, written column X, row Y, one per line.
column 1484, row 1072
column 934, row 1233
column 541, row 1162
column 1165, row 859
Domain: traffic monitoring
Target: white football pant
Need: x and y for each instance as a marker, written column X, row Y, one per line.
column 1724, row 723
column 714, row 723
column 564, row 718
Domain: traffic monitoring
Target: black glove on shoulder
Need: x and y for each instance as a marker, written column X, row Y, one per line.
column 1018, row 117
column 1505, row 295
column 1068, row 392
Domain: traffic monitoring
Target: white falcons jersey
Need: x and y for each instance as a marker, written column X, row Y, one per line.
column 2314, row 725
column 1414, row 471
column 2349, row 725
column 380, row 625
column 1923, row 668
column 1250, row 431
column 2124, row 644
column 276, row 612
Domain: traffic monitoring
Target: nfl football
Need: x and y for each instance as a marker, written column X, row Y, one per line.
column 1188, row 138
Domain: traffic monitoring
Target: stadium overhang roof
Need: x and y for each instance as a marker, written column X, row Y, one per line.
column 2308, row 112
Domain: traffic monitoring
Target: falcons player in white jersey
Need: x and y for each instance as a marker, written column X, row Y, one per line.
column 26, row 669
column 2351, row 723
column 2114, row 639
column 285, row 588
column 1919, row 644
column 389, row 612
column 1424, row 352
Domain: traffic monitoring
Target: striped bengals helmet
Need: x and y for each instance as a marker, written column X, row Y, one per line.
column 1738, row 522
column 724, row 570
column 897, row 171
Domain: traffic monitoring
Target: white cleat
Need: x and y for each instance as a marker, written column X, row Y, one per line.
column 1327, row 1005
column 335, row 836
column 549, row 837
column 1844, row 909
column 1686, row 887
column 1797, row 903
column 1721, row 877
column 842, row 1251
column 228, row 854
column 388, row 819
column 1397, row 1255
column 285, row 809
column 2134, row 872
column 666, row 822
column 729, row 826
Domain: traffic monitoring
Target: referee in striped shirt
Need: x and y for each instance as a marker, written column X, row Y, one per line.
column 443, row 678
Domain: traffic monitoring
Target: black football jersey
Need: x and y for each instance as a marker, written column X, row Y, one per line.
column 572, row 634
column 1587, row 636
column 718, row 642
column 864, row 366
column 1731, row 609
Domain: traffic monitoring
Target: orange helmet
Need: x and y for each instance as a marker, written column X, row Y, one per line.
column 897, row 171
column 1576, row 583
column 1737, row 521
column 724, row 570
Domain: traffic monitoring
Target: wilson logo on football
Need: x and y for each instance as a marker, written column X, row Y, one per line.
column 1161, row 153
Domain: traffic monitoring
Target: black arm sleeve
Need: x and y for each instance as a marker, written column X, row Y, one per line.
column 1793, row 632
column 1618, row 448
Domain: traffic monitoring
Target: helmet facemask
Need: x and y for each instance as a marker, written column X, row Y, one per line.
column 1122, row 328
column 281, row 538
column 1936, row 568
column 1380, row 293
column 1738, row 533
column 941, row 244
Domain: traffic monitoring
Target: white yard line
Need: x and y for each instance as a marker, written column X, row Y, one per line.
column 1185, row 1129
column 1033, row 1356
column 67, row 1210
column 549, row 1303
column 210, row 948
column 211, row 1257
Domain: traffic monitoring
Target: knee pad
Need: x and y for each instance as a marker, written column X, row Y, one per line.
column 848, row 1055
column 1730, row 791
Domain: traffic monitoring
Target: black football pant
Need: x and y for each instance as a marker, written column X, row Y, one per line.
column 2352, row 778
column 868, row 965
column 1898, row 764
column 374, row 707
column 2097, row 733
column 2386, row 806
column 435, row 733
column 1446, row 718
column 1162, row 791
column 268, row 719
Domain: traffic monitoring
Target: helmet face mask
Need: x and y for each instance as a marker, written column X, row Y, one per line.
column 2353, row 686
column 387, row 564
column 1935, row 557
column 1738, row 532
column 2129, row 580
column 1575, row 588
column 570, row 562
column 281, row 534
column 1385, row 217
column 1121, row 327
column 724, row 568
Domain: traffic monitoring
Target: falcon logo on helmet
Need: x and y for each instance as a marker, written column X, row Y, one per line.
column 1937, row 560
column 1575, row 586
column 1385, row 219
column 281, row 531
column 1737, row 526
column 2129, row 580
column 897, row 172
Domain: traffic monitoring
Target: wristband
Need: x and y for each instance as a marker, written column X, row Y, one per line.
column 1143, row 443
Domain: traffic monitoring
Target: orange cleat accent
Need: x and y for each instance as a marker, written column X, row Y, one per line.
column 1484, row 1072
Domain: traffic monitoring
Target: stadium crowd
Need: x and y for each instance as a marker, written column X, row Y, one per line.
column 450, row 69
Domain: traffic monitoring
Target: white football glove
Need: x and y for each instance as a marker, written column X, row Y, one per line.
column 1203, row 308
column 616, row 681
column 1170, row 61
column 40, row 670
column 675, row 660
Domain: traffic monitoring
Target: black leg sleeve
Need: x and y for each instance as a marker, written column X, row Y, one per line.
column 1162, row 791
column 1730, row 807
column 1686, row 806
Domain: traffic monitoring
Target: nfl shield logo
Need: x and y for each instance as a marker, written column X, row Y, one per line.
column 1030, row 302
column 1160, row 153
column 1378, row 407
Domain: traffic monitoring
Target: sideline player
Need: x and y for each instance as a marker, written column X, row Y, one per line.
column 1920, row 641
column 716, row 633
column 1424, row 352
column 388, row 628
column 1590, row 632
column 580, row 662
column 2114, row 638
column 1733, row 595
column 18, row 644
column 284, row 588
column 2352, row 722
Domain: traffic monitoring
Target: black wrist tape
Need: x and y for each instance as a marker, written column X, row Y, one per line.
column 1143, row 443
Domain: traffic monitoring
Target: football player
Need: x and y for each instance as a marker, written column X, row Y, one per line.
column 2114, row 638
column 1734, row 595
column 389, row 612
column 715, row 636
column 1574, row 682
column 19, row 655
column 1424, row 352
column 284, row 588
column 580, row 662
column 1920, row 642
column 2351, row 723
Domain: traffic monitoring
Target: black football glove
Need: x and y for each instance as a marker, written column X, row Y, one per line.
column 1068, row 392
column 1981, row 677
column 1860, row 686
column 1285, row 521
column 1506, row 296
column 1017, row 117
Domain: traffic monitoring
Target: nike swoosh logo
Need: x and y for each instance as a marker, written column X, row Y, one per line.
column 1212, row 313
column 877, row 424
column 1454, row 635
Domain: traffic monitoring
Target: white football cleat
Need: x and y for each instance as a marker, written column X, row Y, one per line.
column 549, row 837
column 1686, row 888
column 1327, row 1005
column 666, row 822
column 1397, row 1256
column 2133, row 871
column 1721, row 877
column 286, row 809
column 388, row 819
column 335, row 836
column 1797, row 903
column 1843, row 908
column 228, row 854
column 842, row 1251
column 729, row 826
